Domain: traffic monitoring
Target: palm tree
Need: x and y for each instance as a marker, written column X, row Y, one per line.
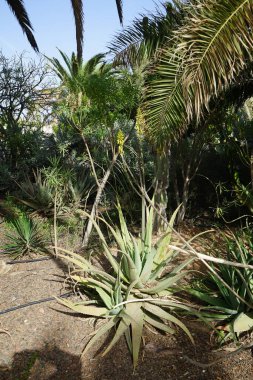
column 18, row 8
column 73, row 72
column 204, row 57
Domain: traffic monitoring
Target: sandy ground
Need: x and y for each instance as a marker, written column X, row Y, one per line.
column 45, row 341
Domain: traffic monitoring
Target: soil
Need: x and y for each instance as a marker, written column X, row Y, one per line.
column 45, row 341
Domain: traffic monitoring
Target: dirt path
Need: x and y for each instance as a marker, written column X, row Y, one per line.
column 44, row 341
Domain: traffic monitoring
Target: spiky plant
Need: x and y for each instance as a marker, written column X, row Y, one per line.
column 231, row 308
column 24, row 237
column 37, row 194
column 139, row 290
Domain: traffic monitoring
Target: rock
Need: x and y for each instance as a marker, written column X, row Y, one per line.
column 4, row 268
column 5, row 361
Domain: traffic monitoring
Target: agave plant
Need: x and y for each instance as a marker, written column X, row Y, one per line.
column 25, row 237
column 231, row 308
column 37, row 194
column 80, row 187
column 139, row 291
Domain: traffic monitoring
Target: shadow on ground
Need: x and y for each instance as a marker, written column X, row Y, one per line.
column 48, row 364
column 163, row 358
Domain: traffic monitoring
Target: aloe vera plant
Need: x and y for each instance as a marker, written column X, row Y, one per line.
column 139, row 290
column 231, row 308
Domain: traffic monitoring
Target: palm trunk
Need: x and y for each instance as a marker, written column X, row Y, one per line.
column 185, row 198
column 251, row 167
column 162, row 166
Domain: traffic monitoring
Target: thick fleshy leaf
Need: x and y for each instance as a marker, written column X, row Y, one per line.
column 93, row 311
column 162, row 245
column 159, row 312
column 100, row 332
column 108, row 253
column 214, row 301
column 147, row 268
column 122, row 327
column 158, row 325
column 168, row 282
column 244, row 322
column 135, row 313
column 137, row 255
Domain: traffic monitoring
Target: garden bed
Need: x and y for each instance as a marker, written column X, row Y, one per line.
column 44, row 341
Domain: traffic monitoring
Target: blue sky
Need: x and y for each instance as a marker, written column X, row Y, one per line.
column 53, row 24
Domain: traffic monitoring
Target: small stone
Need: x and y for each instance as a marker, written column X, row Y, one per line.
column 5, row 362
column 4, row 268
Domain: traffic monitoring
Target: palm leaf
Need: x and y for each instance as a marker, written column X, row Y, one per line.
column 137, row 44
column 120, row 10
column 210, row 50
column 217, row 41
column 77, row 6
column 164, row 106
column 17, row 7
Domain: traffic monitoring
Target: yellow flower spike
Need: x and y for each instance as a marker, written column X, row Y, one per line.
column 140, row 123
column 120, row 141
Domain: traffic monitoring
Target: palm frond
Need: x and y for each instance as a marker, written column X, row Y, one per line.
column 18, row 9
column 217, row 43
column 72, row 72
column 94, row 62
column 120, row 10
column 210, row 50
column 147, row 33
column 77, row 6
column 164, row 106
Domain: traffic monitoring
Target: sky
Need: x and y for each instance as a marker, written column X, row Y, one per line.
column 54, row 28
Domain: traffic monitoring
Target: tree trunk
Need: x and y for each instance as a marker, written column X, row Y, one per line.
column 100, row 190
column 162, row 165
column 251, row 166
column 185, row 198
